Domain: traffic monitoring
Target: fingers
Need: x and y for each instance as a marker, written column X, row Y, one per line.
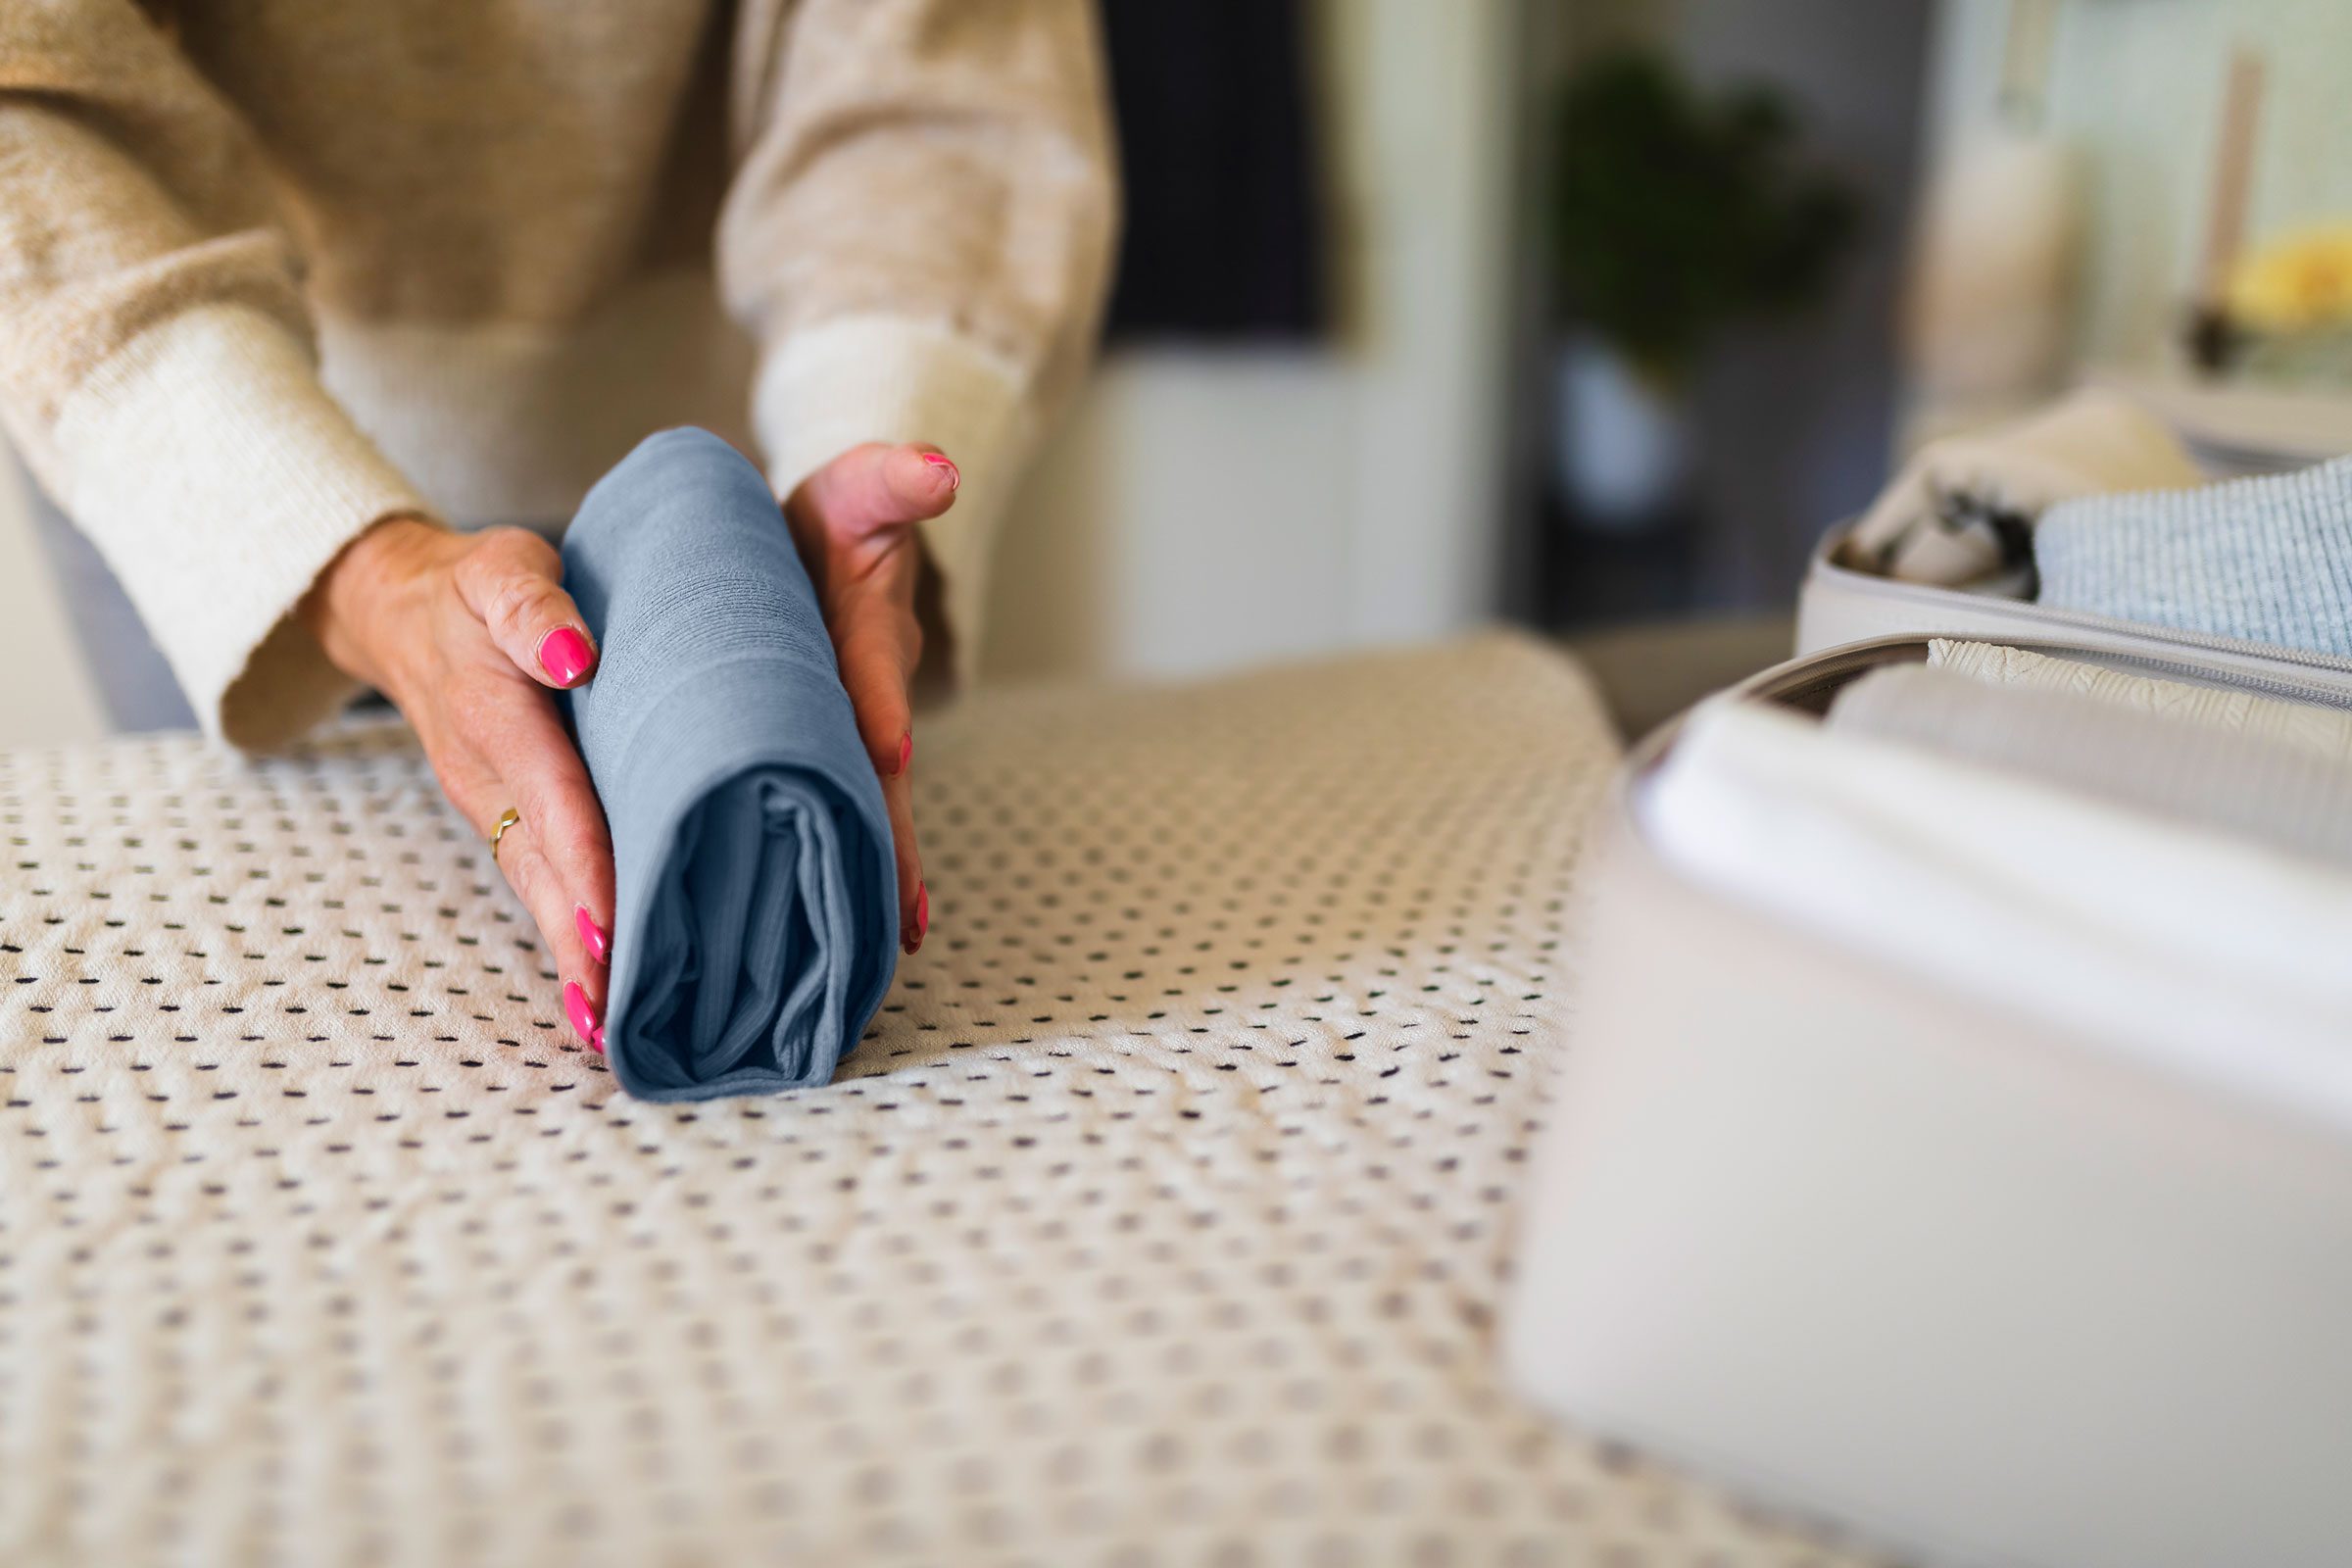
column 538, row 880
column 878, row 643
column 878, row 487
column 557, row 857
column 914, row 898
column 499, row 746
column 495, row 632
column 564, row 872
column 853, row 522
column 512, row 580
column 881, row 713
column 921, row 479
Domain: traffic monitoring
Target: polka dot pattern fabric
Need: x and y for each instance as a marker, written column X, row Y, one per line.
column 1159, row 1219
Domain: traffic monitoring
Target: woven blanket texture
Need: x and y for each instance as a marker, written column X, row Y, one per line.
column 1159, row 1219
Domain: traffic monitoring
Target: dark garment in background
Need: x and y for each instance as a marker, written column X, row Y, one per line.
column 756, row 911
column 1219, row 156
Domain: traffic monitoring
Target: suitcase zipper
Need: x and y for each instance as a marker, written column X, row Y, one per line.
column 1803, row 677
column 2141, row 631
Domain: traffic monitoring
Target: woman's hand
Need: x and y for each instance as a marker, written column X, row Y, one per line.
column 855, row 523
column 469, row 635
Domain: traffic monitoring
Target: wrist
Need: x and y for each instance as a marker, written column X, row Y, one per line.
column 369, row 588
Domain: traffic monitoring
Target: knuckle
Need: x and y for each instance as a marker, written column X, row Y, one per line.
column 880, row 702
column 515, row 603
column 871, row 638
column 458, row 784
column 582, row 852
column 570, row 826
column 518, row 862
column 473, row 571
column 520, row 549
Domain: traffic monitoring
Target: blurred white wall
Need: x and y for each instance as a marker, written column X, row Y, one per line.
column 1203, row 508
column 44, row 694
column 2135, row 86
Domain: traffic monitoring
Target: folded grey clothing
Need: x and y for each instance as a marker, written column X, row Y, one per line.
column 2257, row 787
column 2266, row 560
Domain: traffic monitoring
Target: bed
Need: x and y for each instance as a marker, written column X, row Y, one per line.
column 1160, row 1218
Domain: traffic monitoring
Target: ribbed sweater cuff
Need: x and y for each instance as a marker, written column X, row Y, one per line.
column 831, row 387
column 218, row 480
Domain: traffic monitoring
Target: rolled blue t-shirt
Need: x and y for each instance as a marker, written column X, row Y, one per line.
column 757, row 913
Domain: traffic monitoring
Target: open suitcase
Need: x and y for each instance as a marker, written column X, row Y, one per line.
column 1840, row 605
column 1963, row 1282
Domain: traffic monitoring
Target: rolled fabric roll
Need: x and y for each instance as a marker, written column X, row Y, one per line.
column 757, row 913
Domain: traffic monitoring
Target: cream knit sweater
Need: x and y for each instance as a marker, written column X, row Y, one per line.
column 270, row 273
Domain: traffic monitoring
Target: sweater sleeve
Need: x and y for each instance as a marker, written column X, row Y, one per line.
column 918, row 234
column 157, row 367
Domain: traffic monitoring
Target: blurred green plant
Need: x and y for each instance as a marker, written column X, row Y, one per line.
column 1676, row 214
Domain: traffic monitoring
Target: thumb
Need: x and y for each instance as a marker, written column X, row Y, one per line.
column 512, row 580
column 875, row 486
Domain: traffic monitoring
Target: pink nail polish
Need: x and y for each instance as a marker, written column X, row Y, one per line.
column 581, row 1011
column 906, row 752
column 563, row 655
column 939, row 460
column 592, row 935
column 596, row 1042
column 922, row 917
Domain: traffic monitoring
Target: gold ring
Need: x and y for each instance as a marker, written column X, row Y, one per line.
column 507, row 819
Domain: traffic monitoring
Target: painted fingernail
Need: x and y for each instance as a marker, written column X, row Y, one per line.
column 592, row 935
column 563, row 655
column 581, row 1012
column 905, row 753
column 596, row 1042
column 922, row 917
column 939, row 460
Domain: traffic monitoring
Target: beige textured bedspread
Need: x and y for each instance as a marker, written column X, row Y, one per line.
column 1160, row 1220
